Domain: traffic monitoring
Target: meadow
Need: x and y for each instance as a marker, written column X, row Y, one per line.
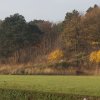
column 21, row 87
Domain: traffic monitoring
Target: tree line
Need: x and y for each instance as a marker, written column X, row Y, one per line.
column 31, row 42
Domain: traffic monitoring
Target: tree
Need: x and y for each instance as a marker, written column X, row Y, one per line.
column 16, row 34
column 91, row 23
column 71, row 36
column 92, row 8
column 71, row 15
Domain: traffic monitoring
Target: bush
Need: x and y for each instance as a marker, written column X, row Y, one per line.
column 56, row 55
column 95, row 56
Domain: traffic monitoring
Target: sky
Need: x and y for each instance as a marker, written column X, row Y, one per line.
column 52, row 10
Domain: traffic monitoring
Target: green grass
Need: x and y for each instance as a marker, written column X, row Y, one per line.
column 64, row 85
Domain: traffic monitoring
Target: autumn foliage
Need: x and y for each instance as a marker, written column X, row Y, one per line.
column 55, row 55
column 95, row 56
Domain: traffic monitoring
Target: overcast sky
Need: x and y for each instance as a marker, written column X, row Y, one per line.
column 53, row 10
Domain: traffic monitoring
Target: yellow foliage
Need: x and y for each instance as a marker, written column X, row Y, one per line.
column 95, row 56
column 55, row 55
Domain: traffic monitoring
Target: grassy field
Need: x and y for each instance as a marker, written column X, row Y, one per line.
column 50, row 87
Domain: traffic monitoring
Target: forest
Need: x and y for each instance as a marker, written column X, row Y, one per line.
column 71, row 46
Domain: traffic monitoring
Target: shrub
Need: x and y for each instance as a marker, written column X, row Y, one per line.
column 56, row 55
column 95, row 56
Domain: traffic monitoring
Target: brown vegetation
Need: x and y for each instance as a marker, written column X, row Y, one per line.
column 42, row 47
